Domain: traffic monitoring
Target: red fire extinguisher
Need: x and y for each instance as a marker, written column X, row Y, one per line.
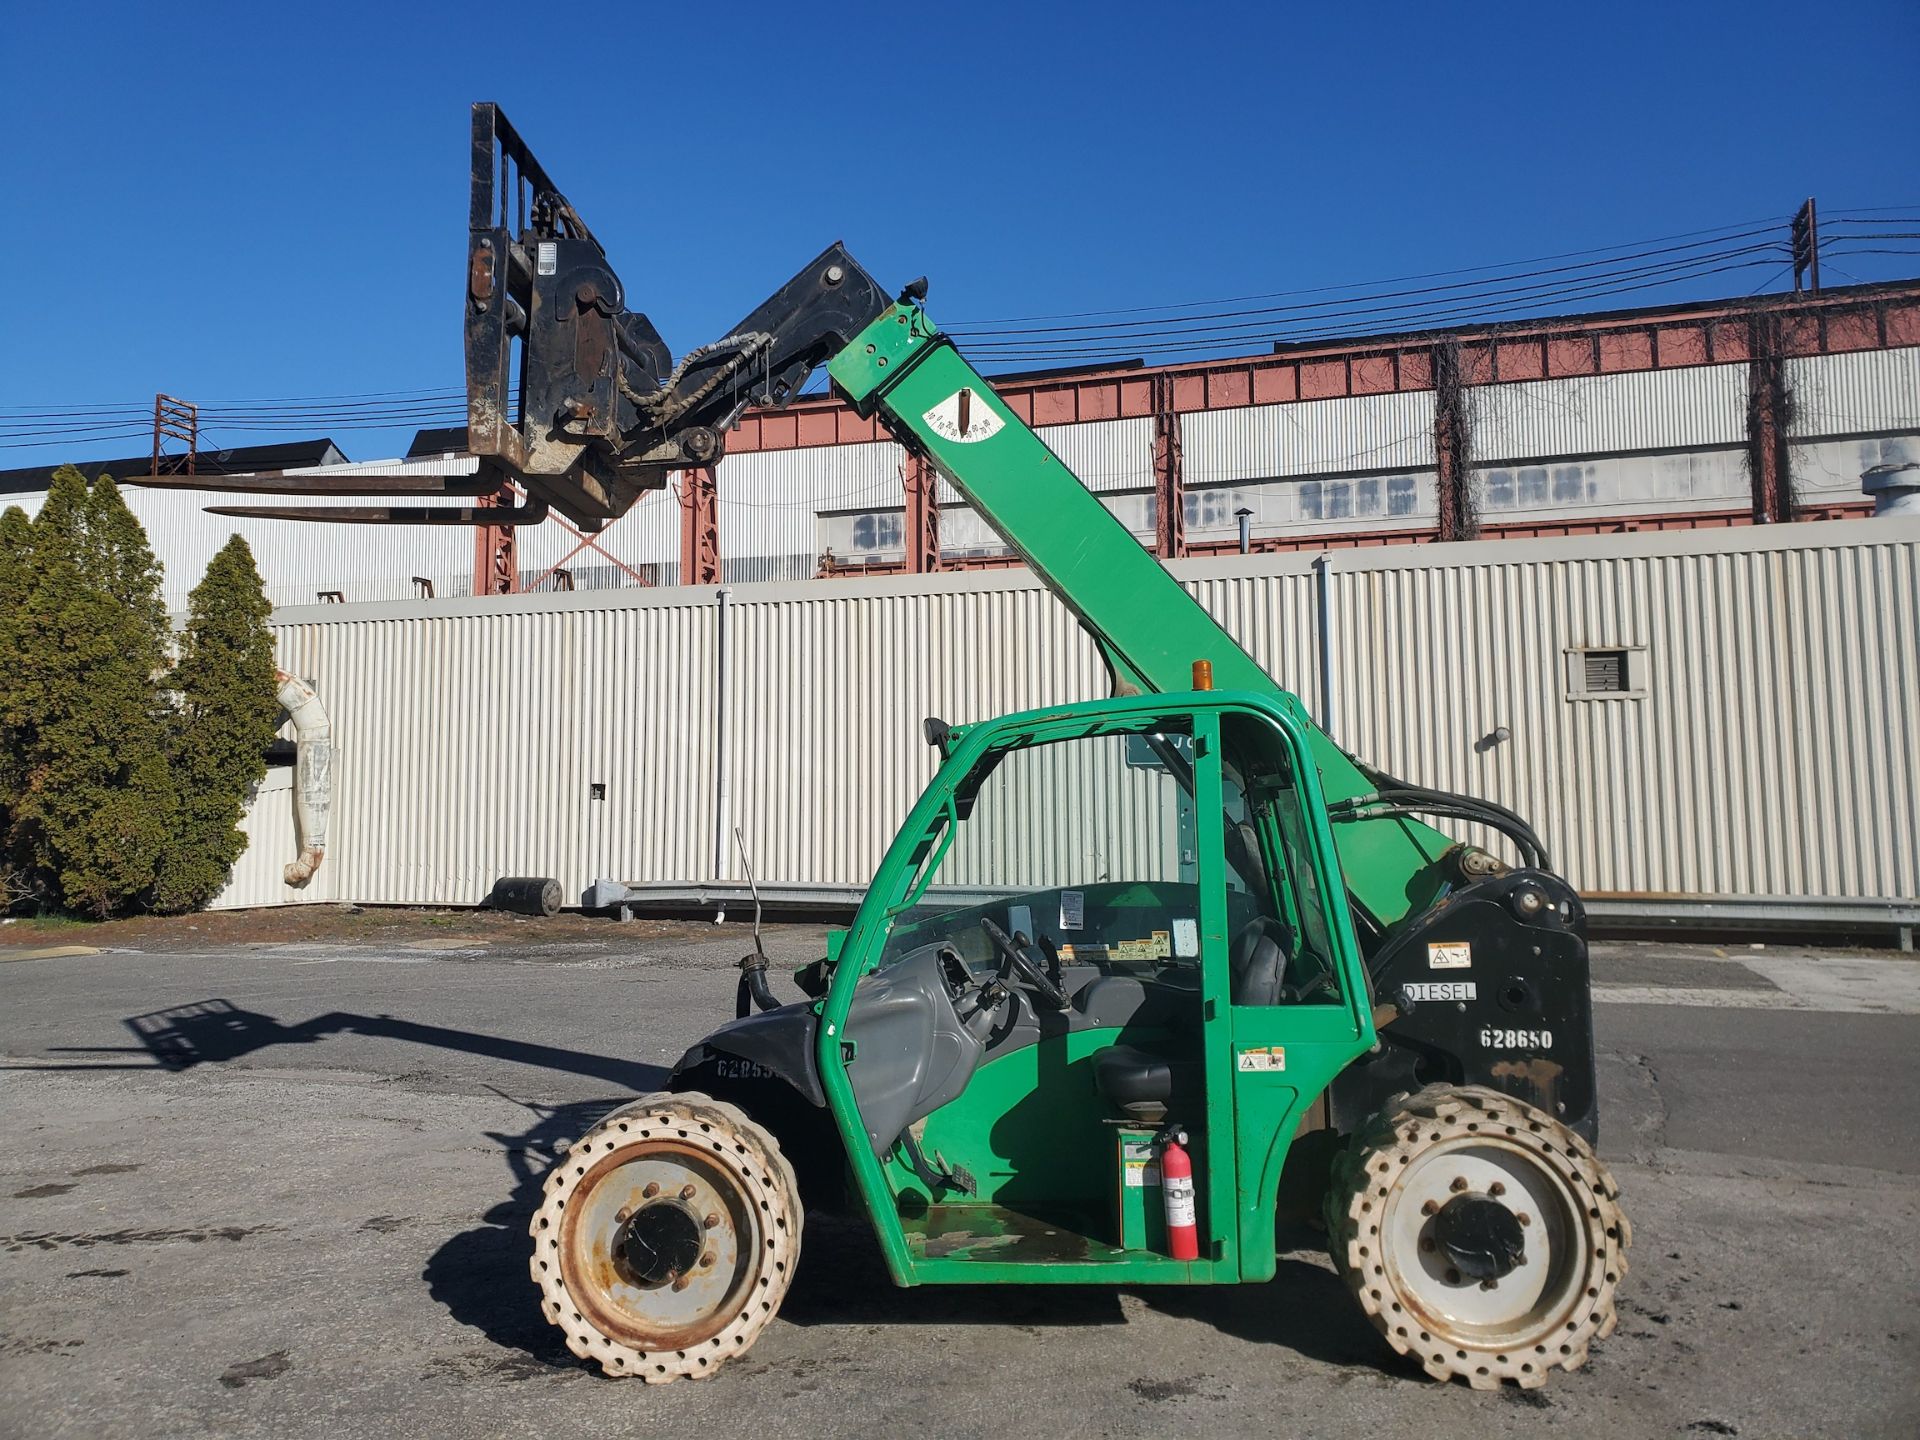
column 1176, row 1184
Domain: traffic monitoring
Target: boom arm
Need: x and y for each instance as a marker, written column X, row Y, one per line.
column 1148, row 627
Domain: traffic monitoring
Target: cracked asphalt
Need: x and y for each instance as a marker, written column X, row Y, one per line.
column 280, row 1186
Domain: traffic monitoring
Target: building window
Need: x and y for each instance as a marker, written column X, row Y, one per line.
column 1212, row 509
column 1403, row 497
column 884, row 531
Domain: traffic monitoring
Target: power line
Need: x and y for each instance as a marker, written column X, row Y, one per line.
column 1476, row 285
column 1348, row 312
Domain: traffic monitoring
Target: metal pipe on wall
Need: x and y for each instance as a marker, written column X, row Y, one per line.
column 1323, row 624
column 722, row 800
column 312, row 773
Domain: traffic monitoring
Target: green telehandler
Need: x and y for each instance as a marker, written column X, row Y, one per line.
column 1173, row 931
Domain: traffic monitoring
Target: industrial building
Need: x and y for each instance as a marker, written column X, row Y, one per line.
column 1615, row 499
column 1760, row 410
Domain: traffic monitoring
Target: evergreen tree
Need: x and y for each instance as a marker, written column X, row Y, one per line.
column 126, row 570
column 16, row 530
column 83, row 645
column 226, row 714
column 16, row 533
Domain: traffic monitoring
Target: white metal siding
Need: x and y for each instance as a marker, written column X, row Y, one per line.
column 1367, row 433
column 1854, row 393
column 1700, row 406
column 1772, row 753
column 770, row 502
column 465, row 745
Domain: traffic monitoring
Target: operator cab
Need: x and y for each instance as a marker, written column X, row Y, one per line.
column 1073, row 929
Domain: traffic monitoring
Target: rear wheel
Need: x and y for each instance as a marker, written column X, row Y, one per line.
column 1481, row 1236
column 668, row 1238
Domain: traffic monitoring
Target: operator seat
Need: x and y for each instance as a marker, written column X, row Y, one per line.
column 1134, row 1081
column 1257, row 962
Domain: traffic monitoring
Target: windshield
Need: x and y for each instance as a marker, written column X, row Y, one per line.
column 1083, row 845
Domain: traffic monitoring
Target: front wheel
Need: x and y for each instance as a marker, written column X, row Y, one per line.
column 1481, row 1236
column 668, row 1238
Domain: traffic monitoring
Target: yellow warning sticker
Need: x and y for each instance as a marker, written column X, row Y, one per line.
column 1263, row 1058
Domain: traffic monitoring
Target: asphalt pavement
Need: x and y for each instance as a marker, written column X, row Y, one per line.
column 282, row 1188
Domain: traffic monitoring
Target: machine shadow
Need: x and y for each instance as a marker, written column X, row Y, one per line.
column 212, row 1032
column 480, row 1275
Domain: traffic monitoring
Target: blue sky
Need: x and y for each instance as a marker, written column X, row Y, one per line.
column 241, row 201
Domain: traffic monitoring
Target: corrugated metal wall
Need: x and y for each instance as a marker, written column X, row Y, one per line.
column 770, row 502
column 1705, row 405
column 1361, row 434
column 1854, row 393
column 467, row 741
column 1770, row 753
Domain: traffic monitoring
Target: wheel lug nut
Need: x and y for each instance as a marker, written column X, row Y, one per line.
column 1426, row 1243
column 1432, row 1207
column 651, row 1191
column 710, row 1221
column 1524, row 1218
column 1497, row 1188
column 680, row 1282
column 620, row 1215
column 1488, row 1285
column 686, row 1192
column 1459, row 1184
column 707, row 1259
column 1453, row 1277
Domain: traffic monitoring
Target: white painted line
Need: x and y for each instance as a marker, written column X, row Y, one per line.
column 1834, row 987
column 49, row 952
column 1854, row 985
column 1696, row 996
column 375, row 959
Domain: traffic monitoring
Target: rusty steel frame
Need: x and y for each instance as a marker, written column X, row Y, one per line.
column 175, row 419
column 699, row 497
column 922, row 486
column 1169, row 481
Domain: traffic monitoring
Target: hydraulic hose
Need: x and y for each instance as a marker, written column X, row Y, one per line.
column 1532, row 852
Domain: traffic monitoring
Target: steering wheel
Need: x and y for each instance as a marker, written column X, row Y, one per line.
column 1013, row 957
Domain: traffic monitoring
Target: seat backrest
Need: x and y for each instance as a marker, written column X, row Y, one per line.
column 1257, row 964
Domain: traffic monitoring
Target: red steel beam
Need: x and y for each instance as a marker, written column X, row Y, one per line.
column 1717, row 333
column 699, row 496
column 921, row 483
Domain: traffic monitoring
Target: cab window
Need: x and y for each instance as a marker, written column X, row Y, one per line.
column 1282, row 951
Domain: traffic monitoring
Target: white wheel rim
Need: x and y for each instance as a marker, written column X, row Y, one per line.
column 1537, row 1294
column 685, row 1193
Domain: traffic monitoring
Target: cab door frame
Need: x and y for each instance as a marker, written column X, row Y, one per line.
column 1282, row 1057
column 866, row 939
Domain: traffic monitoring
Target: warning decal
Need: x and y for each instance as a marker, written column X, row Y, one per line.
column 1264, row 1057
column 964, row 417
column 1449, row 955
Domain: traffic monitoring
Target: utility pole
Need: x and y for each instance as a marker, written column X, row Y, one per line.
column 1806, row 247
column 175, row 419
